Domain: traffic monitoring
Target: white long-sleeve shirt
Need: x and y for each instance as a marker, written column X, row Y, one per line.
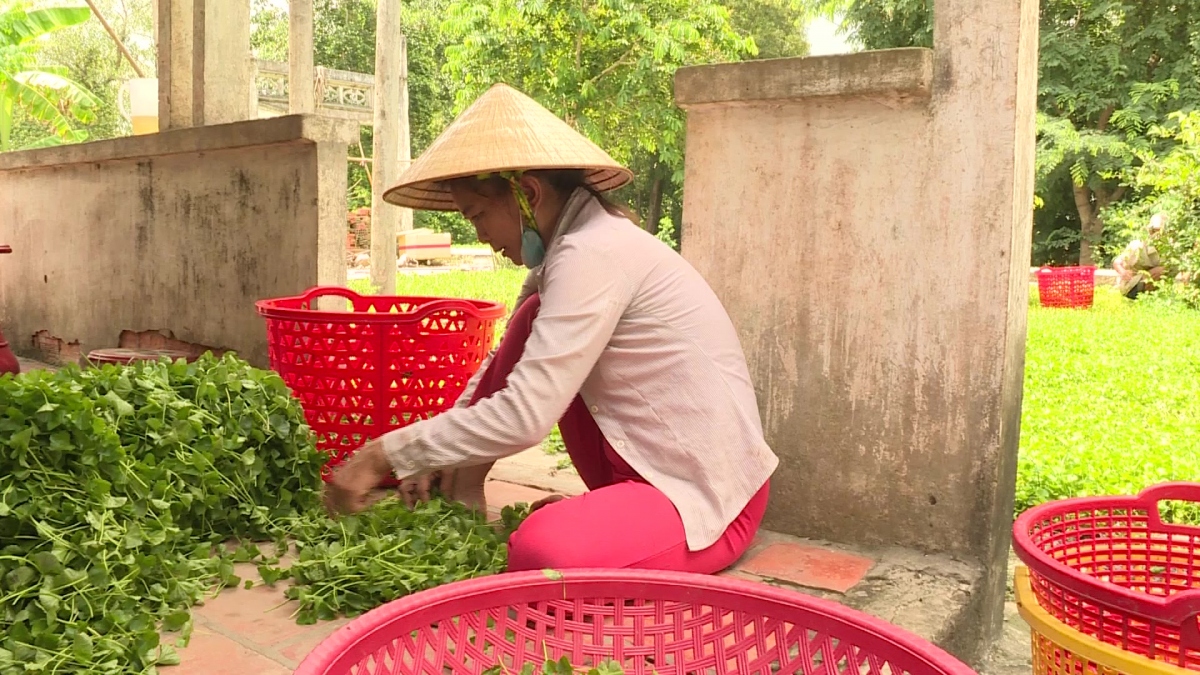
column 626, row 323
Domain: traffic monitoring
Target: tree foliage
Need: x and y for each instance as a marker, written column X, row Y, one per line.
column 882, row 24
column 776, row 26
column 1109, row 70
column 94, row 61
column 344, row 39
column 31, row 89
column 606, row 66
column 1170, row 184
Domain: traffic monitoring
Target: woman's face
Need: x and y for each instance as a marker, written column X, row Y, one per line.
column 496, row 218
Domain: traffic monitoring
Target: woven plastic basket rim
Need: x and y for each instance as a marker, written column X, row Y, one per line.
column 535, row 585
column 271, row 308
column 1080, row 644
column 1176, row 608
column 1077, row 269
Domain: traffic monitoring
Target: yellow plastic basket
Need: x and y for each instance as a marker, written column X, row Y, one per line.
column 1059, row 649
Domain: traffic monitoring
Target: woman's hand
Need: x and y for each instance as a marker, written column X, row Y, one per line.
column 545, row 501
column 349, row 489
column 416, row 490
column 460, row 485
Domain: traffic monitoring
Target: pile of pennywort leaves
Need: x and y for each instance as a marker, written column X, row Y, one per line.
column 355, row 563
column 121, row 489
column 117, row 487
column 561, row 667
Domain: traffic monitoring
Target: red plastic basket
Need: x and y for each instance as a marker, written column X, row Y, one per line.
column 385, row 364
column 646, row 621
column 1110, row 568
column 1073, row 287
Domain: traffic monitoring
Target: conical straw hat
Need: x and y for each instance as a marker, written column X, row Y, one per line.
column 503, row 130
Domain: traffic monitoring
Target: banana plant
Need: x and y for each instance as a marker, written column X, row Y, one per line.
column 43, row 93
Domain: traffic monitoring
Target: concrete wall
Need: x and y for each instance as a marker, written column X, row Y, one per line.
column 866, row 220
column 180, row 231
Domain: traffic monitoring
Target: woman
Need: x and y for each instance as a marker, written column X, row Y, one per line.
column 1140, row 265
column 615, row 338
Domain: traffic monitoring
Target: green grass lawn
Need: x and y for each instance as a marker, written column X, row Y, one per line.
column 498, row 286
column 1112, row 399
column 1112, row 394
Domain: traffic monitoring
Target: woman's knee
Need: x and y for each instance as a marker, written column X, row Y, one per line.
column 538, row 543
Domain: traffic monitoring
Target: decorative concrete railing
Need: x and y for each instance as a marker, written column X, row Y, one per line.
column 339, row 93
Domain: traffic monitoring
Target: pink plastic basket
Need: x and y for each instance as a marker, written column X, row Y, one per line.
column 645, row 621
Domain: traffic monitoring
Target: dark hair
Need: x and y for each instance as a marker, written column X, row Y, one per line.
column 563, row 181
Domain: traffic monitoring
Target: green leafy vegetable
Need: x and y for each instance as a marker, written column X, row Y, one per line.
column 351, row 565
column 117, row 487
column 1110, row 404
column 562, row 666
column 120, row 488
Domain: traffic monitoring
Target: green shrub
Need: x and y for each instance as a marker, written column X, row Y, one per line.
column 1170, row 186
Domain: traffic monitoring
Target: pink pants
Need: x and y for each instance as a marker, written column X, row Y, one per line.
column 622, row 521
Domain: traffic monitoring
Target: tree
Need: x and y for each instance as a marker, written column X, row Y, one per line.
column 882, row 24
column 1108, row 71
column 776, row 26
column 94, row 61
column 605, row 66
column 42, row 93
column 1170, row 183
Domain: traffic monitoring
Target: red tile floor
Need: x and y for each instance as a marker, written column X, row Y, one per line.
column 252, row 632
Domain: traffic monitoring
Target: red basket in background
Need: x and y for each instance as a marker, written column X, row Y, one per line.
column 1073, row 287
column 1110, row 568
column 383, row 364
column 667, row 623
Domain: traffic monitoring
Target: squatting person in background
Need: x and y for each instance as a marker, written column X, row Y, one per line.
column 1140, row 260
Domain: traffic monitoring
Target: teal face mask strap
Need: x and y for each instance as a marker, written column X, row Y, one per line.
column 533, row 251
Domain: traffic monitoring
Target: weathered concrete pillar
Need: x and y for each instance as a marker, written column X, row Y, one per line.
column 986, row 70
column 331, row 200
column 203, row 70
column 174, row 26
column 301, row 94
column 391, row 143
column 866, row 220
column 252, row 95
column 221, row 71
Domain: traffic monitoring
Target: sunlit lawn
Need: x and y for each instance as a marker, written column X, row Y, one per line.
column 1112, row 399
